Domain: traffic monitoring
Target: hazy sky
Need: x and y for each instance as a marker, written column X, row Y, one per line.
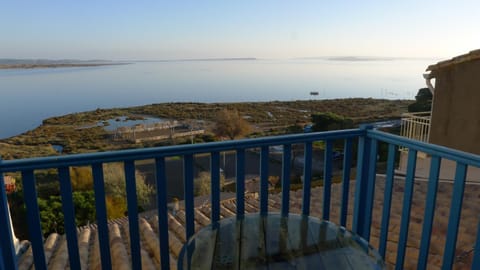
column 108, row 29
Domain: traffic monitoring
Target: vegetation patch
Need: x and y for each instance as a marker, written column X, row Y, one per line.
column 80, row 133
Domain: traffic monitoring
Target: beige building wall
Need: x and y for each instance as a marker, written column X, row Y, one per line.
column 456, row 106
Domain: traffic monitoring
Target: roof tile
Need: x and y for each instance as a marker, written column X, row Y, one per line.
column 56, row 251
column 472, row 55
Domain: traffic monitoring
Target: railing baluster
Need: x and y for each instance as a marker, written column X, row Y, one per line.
column 215, row 186
column 132, row 208
column 428, row 128
column 361, row 182
column 347, row 165
column 415, row 129
column 2, row 265
column 327, row 179
column 101, row 213
column 240, row 183
column 424, row 128
column 188, row 193
column 429, row 211
column 412, row 129
column 402, row 125
column 33, row 219
column 476, row 254
column 264, row 163
column 455, row 213
column 69, row 217
column 407, row 205
column 442, row 151
column 307, row 178
column 387, row 199
column 287, row 154
column 162, row 212
column 7, row 256
column 372, row 177
column 364, row 196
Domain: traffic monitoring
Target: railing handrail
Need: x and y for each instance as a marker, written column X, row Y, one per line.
column 431, row 149
column 166, row 151
column 417, row 114
column 367, row 151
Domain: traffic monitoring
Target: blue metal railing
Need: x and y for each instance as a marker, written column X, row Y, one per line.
column 463, row 160
column 368, row 141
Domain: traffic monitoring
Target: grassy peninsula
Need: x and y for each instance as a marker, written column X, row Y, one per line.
column 32, row 66
column 81, row 132
column 46, row 63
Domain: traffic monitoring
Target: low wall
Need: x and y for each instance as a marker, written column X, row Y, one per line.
column 165, row 137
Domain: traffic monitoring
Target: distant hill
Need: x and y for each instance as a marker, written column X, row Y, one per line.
column 13, row 61
column 201, row 59
column 363, row 58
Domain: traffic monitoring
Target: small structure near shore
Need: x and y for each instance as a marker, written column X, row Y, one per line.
column 156, row 132
column 148, row 127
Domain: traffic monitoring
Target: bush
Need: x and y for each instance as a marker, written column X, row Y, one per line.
column 82, row 178
column 50, row 202
column 330, row 121
column 423, row 101
column 115, row 185
column 51, row 212
column 203, row 183
column 297, row 128
column 230, row 124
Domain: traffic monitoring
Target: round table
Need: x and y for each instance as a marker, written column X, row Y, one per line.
column 276, row 242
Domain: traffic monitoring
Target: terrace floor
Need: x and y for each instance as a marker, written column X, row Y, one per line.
column 57, row 255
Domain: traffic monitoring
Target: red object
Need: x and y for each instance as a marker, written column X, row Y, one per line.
column 9, row 188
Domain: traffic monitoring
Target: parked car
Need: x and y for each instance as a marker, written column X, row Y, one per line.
column 336, row 155
column 308, row 128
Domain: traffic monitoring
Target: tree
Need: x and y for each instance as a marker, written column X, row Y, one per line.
column 50, row 201
column 330, row 121
column 203, row 183
column 51, row 213
column 116, row 207
column 82, row 178
column 231, row 124
column 423, row 101
column 115, row 185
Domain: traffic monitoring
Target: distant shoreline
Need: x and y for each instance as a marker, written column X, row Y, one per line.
column 66, row 65
column 202, row 59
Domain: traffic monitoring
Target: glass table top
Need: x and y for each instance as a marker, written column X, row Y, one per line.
column 276, row 242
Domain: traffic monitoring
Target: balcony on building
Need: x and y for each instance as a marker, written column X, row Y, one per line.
column 454, row 120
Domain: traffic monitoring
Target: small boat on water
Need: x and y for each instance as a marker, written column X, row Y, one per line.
column 314, row 93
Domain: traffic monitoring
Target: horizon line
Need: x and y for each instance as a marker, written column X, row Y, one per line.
column 346, row 58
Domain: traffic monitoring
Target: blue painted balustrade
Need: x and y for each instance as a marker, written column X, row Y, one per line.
column 364, row 140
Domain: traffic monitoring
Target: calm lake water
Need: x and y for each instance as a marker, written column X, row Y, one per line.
column 29, row 96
